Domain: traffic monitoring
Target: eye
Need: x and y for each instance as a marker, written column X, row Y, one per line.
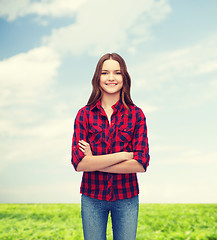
column 118, row 72
column 104, row 73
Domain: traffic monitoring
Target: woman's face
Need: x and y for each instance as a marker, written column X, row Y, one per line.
column 111, row 79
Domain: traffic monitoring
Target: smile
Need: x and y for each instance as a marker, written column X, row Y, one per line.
column 111, row 84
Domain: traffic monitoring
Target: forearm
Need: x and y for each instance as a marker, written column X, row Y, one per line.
column 96, row 162
column 129, row 166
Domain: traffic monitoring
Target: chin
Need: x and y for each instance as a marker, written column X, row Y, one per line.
column 112, row 93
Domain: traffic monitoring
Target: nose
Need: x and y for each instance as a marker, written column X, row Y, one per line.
column 111, row 77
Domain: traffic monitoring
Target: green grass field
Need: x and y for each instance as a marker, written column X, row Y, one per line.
column 63, row 221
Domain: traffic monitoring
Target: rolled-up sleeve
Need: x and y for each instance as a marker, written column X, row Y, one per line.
column 140, row 141
column 80, row 133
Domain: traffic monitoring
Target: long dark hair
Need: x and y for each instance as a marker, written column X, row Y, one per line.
column 97, row 90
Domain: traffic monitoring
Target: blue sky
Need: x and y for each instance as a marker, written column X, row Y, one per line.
column 48, row 54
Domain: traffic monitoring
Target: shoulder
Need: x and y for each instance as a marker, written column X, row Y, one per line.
column 137, row 111
column 83, row 112
column 84, row 109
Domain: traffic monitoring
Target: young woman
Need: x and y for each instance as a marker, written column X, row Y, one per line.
column 110, row 146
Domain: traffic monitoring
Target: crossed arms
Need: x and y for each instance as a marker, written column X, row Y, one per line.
column 120, row 162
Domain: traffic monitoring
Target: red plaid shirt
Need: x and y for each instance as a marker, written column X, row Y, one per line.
column 126, row 132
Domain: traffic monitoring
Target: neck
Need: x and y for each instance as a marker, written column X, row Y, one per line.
column 109, row 100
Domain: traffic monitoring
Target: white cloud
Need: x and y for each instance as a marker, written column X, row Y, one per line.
column 213, row 83
column 183, row 154
column 63, row 192
column 26, row 76
column 109, row 26
column 147, row 108
column 196, row 157
column 207, row 67
column 12, row 9
column 26, row 81
column 35, row 121
column 173, row 192
column 36, row 142
column 48, row 129
column 182, row 65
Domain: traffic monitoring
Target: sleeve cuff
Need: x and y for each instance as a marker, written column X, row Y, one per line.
column 77, row 156
column 142, row 158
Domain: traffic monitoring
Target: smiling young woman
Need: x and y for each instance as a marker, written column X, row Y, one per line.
column 110, row 146
column 111, row 80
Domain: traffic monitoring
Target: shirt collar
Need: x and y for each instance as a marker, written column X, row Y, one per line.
column 118, row 105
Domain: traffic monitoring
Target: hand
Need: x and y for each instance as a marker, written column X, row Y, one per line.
column 85, row 148
column 131, row 155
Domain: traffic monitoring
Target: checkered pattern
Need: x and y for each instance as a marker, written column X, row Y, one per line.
column 126, row 132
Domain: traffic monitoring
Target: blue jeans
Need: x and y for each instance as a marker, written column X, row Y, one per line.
column 124, row 216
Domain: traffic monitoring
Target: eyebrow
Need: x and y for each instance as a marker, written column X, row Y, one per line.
column 108, row 70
